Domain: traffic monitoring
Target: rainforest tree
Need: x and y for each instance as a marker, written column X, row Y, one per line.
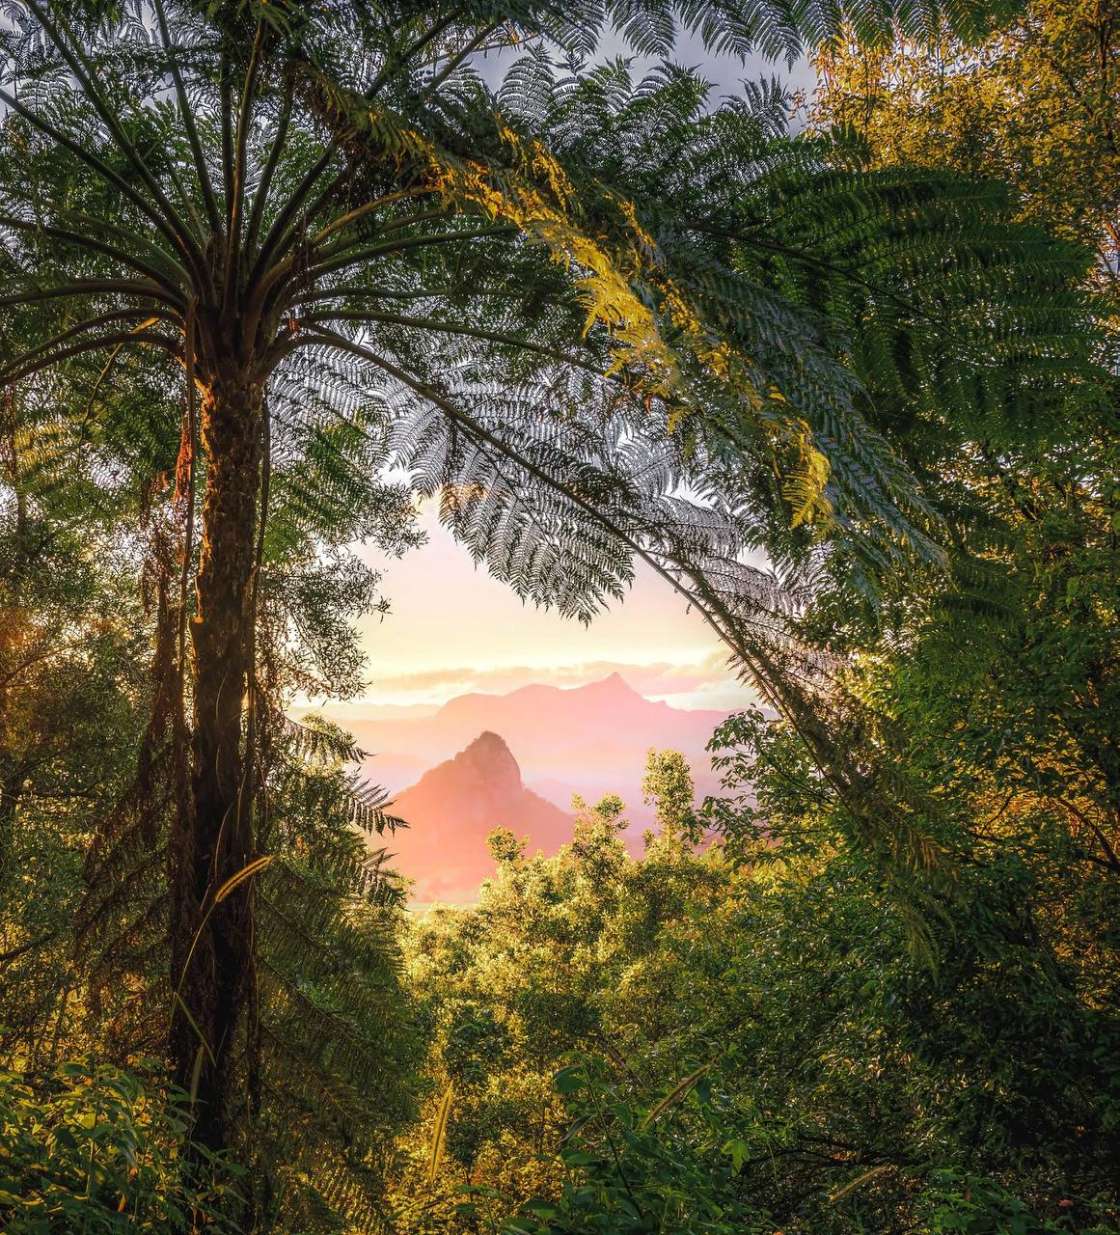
column 327, row 246
column 1029, row 608
column 1034, row 104
column 742, row 1036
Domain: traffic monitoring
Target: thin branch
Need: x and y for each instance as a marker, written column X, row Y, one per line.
column 400, row 246
column 477, row 429
column 273, row 286
column 1078, row 813
column 394, row 62
column 13, row 374
column 189, row 127
column 388, row 293
column 87, row 224
column 89, row 287
column 95, row 323
column 83, row 71
column 36, row 942
column 352, row 216
column 278, row 233
column 473, row 45
column 238, row 170
column 225, row 110
column 390, row 225
column 817, row 263
column 181, row 189
column 472, row 332
column 97, row 246
column 261, row 195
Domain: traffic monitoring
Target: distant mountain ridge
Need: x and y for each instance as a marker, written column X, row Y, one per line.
column 454, row 807
column 588, row 739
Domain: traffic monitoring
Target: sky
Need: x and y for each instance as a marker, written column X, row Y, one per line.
column 724, row 72
column 452, row 629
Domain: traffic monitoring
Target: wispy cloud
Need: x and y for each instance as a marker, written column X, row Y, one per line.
column 675, row 681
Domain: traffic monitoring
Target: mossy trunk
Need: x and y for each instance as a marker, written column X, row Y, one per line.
column 211, row 940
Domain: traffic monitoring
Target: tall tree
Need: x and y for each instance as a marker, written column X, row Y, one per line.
column 1036, row 103
column 1032, row 593
column 575, row 301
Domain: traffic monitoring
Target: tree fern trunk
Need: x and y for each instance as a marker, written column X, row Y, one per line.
column 212, row 940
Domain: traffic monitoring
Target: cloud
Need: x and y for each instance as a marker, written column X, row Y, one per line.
column 662, row 679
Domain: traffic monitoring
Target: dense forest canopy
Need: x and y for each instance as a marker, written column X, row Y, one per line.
column 274, row 271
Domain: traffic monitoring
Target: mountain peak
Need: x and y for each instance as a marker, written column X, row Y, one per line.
column 488, row 756
column 454, row 806
column 614, row 686
column 463, row 780
column 489, row 741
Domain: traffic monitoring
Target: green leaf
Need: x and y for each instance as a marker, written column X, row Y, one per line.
column 737, row 1151
column 570, row 1079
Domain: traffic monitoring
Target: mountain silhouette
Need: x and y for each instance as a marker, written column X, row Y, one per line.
column 589, row 740
column 454, row 807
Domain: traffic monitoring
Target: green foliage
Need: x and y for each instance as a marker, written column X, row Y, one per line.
column 605, row 322
column 756, row 1045
column 93, row 1149
column 1034, row 104
column 624, row 1173
column 336, row 1041
column 73, row 639
column 668, row 785
column 561, row 953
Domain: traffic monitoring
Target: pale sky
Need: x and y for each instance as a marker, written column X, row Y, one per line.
column 724, row 72
column 453, row 629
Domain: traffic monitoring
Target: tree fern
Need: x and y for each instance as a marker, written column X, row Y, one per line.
column 604, row 322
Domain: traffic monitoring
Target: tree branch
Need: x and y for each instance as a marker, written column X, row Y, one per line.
column 278, row 233
column 472, row 332
column 37, row 942
column 89, row 287
column 238, row 171
column 359, row 212
column 261, row 195
column 94, row 323
column 457, row 59
column 394, row 62
column 96, row 246
column 13, row 374
column 189, row 127
column 400, row 246
column 83, row 71
column 388, row 293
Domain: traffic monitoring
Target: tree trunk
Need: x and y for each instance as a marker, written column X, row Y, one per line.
column 211, row 941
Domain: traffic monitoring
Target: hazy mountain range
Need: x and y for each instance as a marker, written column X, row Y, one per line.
column 515, row 760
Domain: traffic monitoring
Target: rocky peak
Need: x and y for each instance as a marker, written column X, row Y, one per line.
column 454, row 807
column 489, row 758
